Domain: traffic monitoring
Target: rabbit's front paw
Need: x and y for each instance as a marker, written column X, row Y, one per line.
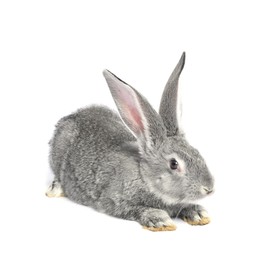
column 157, row 220
column 194, row 215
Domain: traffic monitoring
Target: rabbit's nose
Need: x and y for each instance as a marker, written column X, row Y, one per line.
column 206, row 190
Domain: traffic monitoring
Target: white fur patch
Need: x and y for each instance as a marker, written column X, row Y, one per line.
column 204, row 190
column 179, row 110
column 164, row 197
column 196, row 217
column 167, row 222
column 204, row 214
column 55, row 190
column 167, row 199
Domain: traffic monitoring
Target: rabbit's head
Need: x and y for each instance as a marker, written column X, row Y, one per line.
column 172, row 169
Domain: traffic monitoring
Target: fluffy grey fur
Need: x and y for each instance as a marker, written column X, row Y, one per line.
column 120, row 165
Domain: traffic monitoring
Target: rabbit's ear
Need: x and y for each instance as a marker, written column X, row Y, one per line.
column 169, row 101
column 136, row 112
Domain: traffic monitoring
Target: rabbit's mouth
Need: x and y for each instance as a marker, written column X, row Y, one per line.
column 199, row 192
column 206, row 190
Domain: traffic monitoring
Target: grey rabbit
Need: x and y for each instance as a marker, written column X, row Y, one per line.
column 136, row 166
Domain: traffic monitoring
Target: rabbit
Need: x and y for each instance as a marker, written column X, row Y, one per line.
column 136, row 165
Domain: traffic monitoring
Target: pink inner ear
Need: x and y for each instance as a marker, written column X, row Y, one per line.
column 137, row 118
column 130, row 109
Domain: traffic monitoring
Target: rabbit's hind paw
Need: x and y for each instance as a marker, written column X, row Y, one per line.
column 54, row 190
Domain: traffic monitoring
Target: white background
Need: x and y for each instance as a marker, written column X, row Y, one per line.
column 52, row 54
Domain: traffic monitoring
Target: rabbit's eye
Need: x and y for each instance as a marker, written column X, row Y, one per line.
column 173, row 164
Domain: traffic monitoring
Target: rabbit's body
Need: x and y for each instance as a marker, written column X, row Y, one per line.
column 97, row 146
column 111, row 177
column 146, row 172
